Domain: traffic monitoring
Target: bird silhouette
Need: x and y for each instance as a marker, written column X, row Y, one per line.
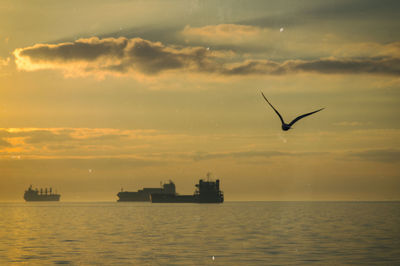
column 286, row 127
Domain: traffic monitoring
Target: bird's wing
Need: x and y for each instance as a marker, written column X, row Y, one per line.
column 283, row 122
column 302, row 116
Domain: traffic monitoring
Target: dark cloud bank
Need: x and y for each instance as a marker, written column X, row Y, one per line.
column 122, row 55
column 379, row 155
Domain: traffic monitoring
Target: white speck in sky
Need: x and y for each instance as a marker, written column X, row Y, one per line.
column 284, row 140
column 281, row 29
column 90, row 170
column 213, row 258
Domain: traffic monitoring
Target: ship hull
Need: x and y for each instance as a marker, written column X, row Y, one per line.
column 218, row 199
column 144, row 194
column 165, row 198
column 34, row 195
column 133, row 196
column 207, row 192
column 42, row 198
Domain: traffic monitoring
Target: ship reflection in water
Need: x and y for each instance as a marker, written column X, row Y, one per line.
column 40, row 195
column 206, row 192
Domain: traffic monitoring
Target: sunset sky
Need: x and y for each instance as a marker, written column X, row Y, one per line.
column 99, row 95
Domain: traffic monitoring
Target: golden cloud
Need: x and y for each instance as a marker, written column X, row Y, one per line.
column 137, row 57
column 113, row 56
column 4, row 62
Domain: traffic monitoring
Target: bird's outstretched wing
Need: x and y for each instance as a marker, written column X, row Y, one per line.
column 302, row 116
column 283, row 122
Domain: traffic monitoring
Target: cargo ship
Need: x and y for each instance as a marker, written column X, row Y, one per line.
column 206, row 192
column 144, row 194
column 40, row 195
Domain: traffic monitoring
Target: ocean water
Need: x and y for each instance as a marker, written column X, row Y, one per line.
column 232, row 233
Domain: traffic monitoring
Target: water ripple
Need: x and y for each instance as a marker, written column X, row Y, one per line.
column 253, row 233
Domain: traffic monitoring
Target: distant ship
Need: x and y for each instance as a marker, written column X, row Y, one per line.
column 206, row 192
column 40, row 195
column 144, row 194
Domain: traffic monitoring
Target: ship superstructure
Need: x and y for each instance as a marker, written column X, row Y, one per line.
column 144, row 194
column 40, row 195
column 206, row 192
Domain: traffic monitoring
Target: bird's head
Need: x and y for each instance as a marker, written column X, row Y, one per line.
column 285, row 127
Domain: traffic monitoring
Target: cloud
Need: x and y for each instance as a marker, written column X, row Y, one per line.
column 271, row 43
column 113, row 56
column 352, row 124
column 51, row 141
column 4, row 62
column 41, row 143
column 40, row 135
column 4, row 143
column 84, row 143
column 224, row 33
column 364, row 49
column 138, row 57
column 72, row 164
column 45, row 136
column 311, row 13
column 60, row 135
column 379, row 155
column 386, row 66
column 248, row 154
column 37, row 135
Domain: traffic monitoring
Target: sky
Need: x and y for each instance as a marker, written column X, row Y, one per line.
column 96, row 96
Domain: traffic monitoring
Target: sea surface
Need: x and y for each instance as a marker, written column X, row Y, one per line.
column 232, row 233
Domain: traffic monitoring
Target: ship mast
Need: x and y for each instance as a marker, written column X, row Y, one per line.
column 208, row 176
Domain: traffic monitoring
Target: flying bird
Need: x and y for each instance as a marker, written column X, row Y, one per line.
column 286, row 127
